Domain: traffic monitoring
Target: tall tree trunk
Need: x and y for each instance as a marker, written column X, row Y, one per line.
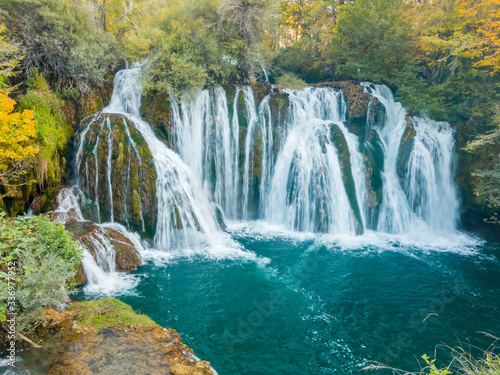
column 250, row 75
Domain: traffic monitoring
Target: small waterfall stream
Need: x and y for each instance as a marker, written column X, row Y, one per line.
column 307, row 191
column 100, row 270
column 422, row 194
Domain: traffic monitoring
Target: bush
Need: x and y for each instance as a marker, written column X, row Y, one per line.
column 290, row 81
column 190, row 51
column 53, row 132
column 60, row 38
column 38, row 257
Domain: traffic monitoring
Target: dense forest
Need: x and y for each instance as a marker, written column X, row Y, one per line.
column 59, row 59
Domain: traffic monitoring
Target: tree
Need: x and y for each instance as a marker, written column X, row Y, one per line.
column 482, row 17
column 40, row 257
column 251, row 18
column 10, row 57
column 60, row 39
column 187, row 51
column 17, row 139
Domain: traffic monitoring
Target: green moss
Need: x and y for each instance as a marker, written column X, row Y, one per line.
column 109, row 312
column 340, row 142
column 135, row 182
column 119, row 159
column 405, row 150
column 135, row 206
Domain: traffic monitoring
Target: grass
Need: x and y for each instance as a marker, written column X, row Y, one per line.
column 462, row 362
column 109, row 312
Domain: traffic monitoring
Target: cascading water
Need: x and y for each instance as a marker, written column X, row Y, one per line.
column 186, row 218
column 423, row 194
column 100, row 269
column 312, row 175
column 219, row 149
column 307, row 189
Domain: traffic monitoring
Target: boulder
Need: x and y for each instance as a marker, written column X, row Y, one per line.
column 108, row 337
column 93, row 237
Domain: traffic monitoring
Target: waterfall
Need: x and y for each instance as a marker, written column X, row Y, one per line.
column 110, row 183
column 291, row 158
column 422, row 196
column 428, row 178
column 207, row 137
column 307, row 190
column 308, row 170
column 100, row 269
column 251, row 115
column 186, row 218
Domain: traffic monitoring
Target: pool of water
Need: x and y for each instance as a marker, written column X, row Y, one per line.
column 305, row 304
column 285, row 303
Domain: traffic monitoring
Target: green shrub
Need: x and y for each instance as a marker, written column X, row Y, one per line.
column 53, row 132
column 37, row 258
column 60, row 38
column 290, row 81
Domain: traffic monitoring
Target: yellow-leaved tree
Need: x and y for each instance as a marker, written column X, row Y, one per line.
column 17, row 141
column 482, row 17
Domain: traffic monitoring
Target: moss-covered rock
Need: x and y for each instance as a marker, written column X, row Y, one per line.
column 157, row 110
column 80, row 277
column 357, row 101
column 133, row 175
column 405, row 150
column 373, row 155
column 338, row 139
column 108, row 337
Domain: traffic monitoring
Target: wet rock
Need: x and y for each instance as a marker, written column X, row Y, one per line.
column 131, row 201
column 93, row 237
column 37, row 205
column 374, row 165
column 80, row 277
column 156, row 110
column 356, row 100
column 405, row 150
column 108, row 337
column 344, row 154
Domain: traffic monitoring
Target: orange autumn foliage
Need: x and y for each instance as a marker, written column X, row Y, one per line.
column 17, row 133
column 483, row 17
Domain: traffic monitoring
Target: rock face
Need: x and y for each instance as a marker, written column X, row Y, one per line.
column 116, row 172
column 108, row 337
column 357, row 101
column 406, row 147
column 156, row 111
column 95, row 237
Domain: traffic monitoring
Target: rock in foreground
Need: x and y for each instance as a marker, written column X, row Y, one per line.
column 108, row 337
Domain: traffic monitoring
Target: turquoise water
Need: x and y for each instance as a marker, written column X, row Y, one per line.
column 305, row 304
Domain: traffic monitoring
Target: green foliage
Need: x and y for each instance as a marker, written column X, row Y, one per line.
column 304, row 60
column 290, row 81
column 60, row 39
column 10, row 57
column 53, row 132
column 370, row 40
column 40, row 257
column 191, row 51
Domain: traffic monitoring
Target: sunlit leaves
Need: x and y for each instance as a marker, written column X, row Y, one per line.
column 17, row 133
